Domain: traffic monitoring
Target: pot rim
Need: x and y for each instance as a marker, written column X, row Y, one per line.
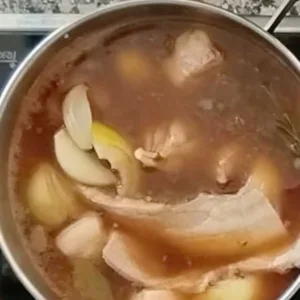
column 63, row 32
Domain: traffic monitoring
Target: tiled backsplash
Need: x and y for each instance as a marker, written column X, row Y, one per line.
column 243, row 7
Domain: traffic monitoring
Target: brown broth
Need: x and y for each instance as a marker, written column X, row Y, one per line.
column 242, row 111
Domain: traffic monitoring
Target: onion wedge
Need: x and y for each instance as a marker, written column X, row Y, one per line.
column 77, row 116
column 51, row 197
column 80, row 165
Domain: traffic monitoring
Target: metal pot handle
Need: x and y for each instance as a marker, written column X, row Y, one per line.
column 279, row 14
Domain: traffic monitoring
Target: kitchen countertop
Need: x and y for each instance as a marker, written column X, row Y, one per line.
column 243, row 7
column 47, row 15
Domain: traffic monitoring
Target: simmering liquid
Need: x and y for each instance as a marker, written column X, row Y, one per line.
column 234, row 103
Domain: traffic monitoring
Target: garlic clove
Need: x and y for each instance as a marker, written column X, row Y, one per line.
column 82, row 166
column 51, row 198
column 85, row 238
column 77, row 116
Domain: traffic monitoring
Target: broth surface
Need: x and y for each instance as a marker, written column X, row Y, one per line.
column 236, row 102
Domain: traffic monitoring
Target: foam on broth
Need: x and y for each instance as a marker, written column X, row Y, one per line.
column 231, row 103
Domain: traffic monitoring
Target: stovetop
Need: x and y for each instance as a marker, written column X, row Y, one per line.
column 13, row 48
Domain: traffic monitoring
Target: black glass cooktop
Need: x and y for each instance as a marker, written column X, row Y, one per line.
column 13, row 48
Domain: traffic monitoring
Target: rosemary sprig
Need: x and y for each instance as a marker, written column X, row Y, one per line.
column 284, row 125
column 288, row 133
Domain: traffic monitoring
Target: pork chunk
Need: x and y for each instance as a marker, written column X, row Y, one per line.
column 211, row 225
column 128, row 258
column 194, row 54
column 167, row 146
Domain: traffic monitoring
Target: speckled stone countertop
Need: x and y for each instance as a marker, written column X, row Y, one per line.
column 243, row 7
column 50, row 14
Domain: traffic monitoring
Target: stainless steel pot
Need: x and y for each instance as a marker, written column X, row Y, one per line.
column 27, row 72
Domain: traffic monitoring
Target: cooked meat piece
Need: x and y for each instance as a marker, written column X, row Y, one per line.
column 132, row 261
column 231, row 227
column 167, row 146
column 128, row 257
column 194, row 54
column 210, row 225
column 280, row 261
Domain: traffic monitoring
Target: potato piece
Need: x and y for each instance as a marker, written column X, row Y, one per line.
column 266, row 176
column 233, row 289
column 133, row 66
column 148, row 294
column 89, row 281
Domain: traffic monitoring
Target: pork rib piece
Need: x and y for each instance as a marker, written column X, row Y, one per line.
column 231, row 227
column 194, row 54
column 129, row 259
column 132, row 262
column 210, row 225
column 167, row 146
